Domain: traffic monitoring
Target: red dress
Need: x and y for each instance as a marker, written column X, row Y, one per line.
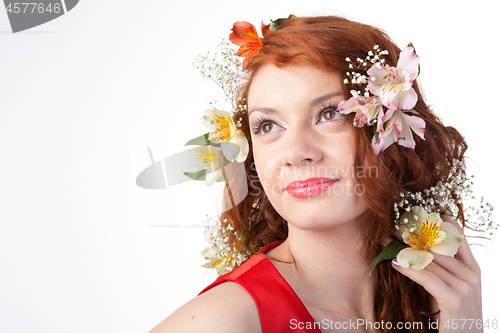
column 280, row 309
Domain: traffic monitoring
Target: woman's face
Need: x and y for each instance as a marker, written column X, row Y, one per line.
column 303, row 147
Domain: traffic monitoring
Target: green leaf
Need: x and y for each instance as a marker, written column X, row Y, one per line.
column 214, row 144
column 411, row 111
column 201, row 140
column 390, row 251
column 198, row 175
column 376, row 132
column 279, row 22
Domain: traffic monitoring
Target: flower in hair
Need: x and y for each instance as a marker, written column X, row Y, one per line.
column 210, row 161
column 367, row 109
column 226, row 141
column 394, row 84
column 398, row 128
column 216, row 260
column 245, row 36
column 225, row 130
column 388, row 99
column 424, row 232
column 223, row 255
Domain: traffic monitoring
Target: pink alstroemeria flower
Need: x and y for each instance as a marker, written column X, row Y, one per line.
column 367, row 108
column 398, row 129
column 394, row 84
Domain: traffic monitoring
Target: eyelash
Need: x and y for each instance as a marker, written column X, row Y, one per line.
column 264, row 119
column 260, row 122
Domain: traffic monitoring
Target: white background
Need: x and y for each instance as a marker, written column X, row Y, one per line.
column 83, row 96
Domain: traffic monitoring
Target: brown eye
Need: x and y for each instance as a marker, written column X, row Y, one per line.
column 267, row 128
column 329, row 115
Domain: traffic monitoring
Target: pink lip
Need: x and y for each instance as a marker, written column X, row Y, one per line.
column 309, row 187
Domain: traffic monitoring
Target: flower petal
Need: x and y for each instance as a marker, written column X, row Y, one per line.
column 404, row 100
column 240, row 139
column 266, row 29
column 249, row 49
column 245, row 35
column 415, row 216
column 206, row 119
column 411, row 222
column 417, row 259
column 351, row 105
column 408, row 61
column 388, row 93
column 448, row 246
column 210, row 253
column 213, row 176
column 409, row 124
column 382, row 143
column 244, row 63
column 230, row 150
column 430, row 232
column 223, row 126
column 417, row 124
column 212, row 264
column 407, row 139
column 204, row 157
column 372, row 111
column 374, row 86
column 382, row 118
column 221, row 269
column 243, row 32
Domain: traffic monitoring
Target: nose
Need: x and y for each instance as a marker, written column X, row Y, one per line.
column 300, row 148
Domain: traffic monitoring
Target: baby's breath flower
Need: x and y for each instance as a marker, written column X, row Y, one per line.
column 224, row 256
column 223, row 68
column 448, row 196
column 373, row 58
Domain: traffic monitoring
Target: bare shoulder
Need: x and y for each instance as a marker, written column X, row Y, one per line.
column 227, row 307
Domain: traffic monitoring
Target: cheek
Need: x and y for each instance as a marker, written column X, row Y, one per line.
column 267, row 170
column 264, row 171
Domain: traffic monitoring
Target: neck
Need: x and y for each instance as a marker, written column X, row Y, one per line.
column 330, row 268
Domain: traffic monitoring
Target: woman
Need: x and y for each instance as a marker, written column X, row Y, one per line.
column 321, row 196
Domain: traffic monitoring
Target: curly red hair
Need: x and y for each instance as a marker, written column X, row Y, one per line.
column 324, row 43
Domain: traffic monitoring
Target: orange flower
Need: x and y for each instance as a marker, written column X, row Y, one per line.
column 245, row 36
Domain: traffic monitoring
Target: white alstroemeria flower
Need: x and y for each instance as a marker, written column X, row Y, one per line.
column 224, row 130
column 211, row 159
column 216, row 261
column 424, row 232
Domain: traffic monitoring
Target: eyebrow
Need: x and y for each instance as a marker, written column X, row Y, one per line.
column 316, row 101
column 322, row 99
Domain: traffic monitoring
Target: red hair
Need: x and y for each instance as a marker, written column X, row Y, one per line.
column 324, row 43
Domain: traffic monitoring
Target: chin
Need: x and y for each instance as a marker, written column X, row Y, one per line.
column 322, row 212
